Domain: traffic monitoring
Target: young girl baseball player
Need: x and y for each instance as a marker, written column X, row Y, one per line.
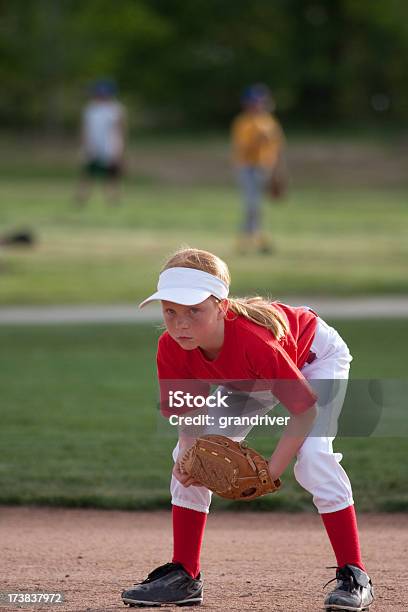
column 210, row 336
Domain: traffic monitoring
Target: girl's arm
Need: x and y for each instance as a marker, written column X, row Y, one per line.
column 292, row 439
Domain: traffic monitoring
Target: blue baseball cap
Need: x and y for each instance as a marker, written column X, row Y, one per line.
column 255, row 93
column 104, row 87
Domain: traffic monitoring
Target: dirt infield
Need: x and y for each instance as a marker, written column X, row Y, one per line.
column 251, row 561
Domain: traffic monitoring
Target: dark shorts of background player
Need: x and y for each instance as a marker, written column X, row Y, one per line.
column 96, row 168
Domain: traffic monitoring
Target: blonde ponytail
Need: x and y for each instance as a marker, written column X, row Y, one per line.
column 260, row 311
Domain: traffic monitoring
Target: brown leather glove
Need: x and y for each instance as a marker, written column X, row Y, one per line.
column 230, row 469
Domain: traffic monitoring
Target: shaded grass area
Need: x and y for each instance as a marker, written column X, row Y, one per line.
column 327, row 241
column 79, row 425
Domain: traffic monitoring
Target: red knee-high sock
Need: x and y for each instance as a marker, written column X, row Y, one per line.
column 342, row 530
column 188, row 533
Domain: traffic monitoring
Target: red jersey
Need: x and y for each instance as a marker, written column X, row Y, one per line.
column 250, row 352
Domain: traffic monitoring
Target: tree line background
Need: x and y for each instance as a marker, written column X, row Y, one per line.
column 184, row 62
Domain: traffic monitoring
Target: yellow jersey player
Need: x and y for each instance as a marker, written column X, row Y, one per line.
column 257, row 141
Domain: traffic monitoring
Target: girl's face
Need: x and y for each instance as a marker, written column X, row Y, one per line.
column 194, row 326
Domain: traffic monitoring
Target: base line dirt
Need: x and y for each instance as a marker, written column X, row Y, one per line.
column 251, row 561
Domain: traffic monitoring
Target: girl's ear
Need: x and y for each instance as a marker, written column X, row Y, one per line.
column 223, row 306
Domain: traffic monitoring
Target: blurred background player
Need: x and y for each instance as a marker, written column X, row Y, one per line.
column 257, row 140
column 102, row 141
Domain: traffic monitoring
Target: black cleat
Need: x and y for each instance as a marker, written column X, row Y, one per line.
column 167, row 584
column 354, row 591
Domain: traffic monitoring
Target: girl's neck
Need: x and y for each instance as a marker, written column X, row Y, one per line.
column 215, row 344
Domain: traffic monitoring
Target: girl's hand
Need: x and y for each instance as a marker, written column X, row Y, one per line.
column 185, row 479
column 272, row 472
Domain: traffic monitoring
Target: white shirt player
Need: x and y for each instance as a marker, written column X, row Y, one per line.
column 102, row 123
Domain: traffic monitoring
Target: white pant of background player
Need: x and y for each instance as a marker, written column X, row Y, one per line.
column 317, row 468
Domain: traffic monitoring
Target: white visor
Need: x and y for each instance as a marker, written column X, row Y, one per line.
column 187, row 286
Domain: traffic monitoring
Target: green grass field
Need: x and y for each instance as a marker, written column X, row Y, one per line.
column 79, row 425
column 327, row 243
column 331, row 238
